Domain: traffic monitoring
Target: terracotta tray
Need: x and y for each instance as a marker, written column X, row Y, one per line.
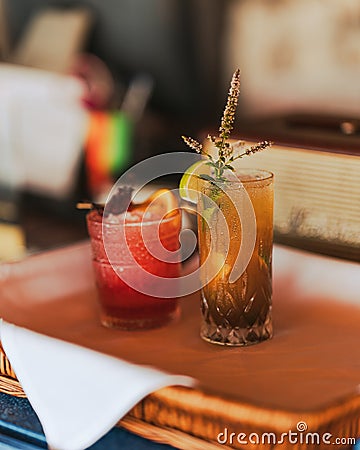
column 309, row 372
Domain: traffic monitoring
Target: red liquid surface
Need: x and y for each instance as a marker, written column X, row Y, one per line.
column 122, row 306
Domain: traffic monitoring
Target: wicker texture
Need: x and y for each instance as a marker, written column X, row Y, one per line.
column 187, row 418
column 8, row 381
column 5, row 366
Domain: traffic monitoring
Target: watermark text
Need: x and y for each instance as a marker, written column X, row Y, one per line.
column 300, row 436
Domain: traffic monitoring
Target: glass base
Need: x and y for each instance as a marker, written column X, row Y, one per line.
column 236, row 337
column 147, row 323
column 222, row 332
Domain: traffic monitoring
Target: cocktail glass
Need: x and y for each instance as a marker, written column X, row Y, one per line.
column 236, row 313
column 122, row 305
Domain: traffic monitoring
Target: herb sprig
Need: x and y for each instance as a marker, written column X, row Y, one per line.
column 227, row 152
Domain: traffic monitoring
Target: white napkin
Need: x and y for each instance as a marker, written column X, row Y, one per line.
column 78, row 394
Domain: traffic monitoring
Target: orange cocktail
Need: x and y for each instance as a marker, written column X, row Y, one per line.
column 238, row 312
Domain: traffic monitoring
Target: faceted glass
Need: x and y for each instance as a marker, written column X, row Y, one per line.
column 236, row 313
column 122, row 306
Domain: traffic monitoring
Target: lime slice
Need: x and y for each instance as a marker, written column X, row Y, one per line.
column 190, row 181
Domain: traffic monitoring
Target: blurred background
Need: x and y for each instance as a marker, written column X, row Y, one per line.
column 89, row 87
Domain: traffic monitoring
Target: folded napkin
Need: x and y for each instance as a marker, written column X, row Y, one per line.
column 78, row 394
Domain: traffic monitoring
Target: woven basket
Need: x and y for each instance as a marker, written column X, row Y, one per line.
column 186, row 418
column 8, row 381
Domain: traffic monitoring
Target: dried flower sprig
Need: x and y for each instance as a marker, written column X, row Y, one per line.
column 193, row 143
column 225, row 150
column 228, row 117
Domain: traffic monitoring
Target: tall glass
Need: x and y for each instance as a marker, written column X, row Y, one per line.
column 122, row 306
column 236, row 313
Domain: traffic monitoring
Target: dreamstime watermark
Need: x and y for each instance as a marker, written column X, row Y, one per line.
column 300, row 436
column 138, row 278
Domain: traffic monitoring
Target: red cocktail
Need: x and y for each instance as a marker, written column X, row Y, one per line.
column 122, row 291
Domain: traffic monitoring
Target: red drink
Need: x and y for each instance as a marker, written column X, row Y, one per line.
column 124, row 306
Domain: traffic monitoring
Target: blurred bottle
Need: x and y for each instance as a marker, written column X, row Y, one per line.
column 12, row 240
